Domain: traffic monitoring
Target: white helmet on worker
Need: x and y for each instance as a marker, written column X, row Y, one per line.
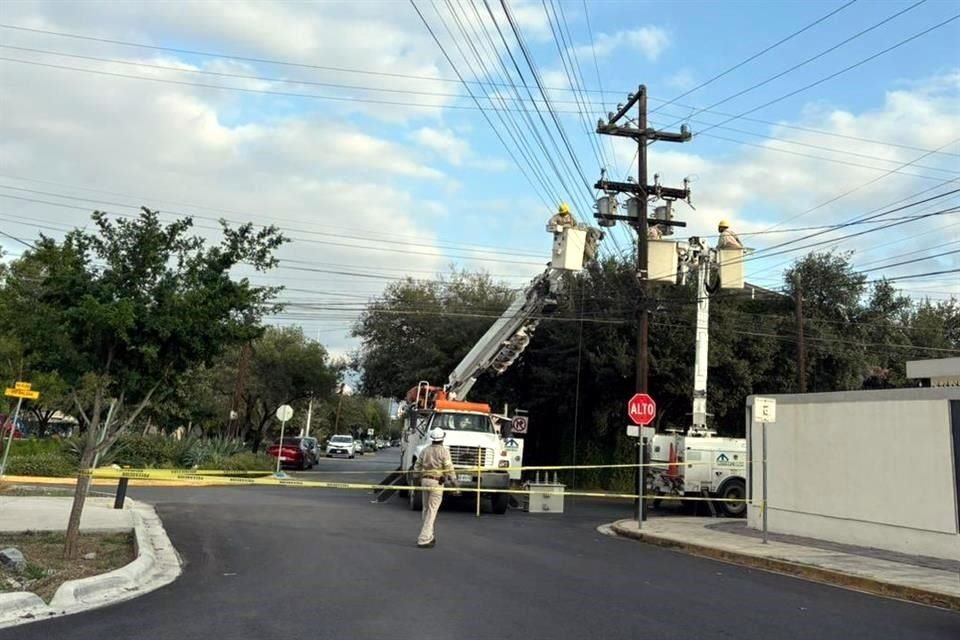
column 723, row 225
column 437, row 434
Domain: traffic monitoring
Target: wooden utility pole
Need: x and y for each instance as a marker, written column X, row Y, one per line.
column 643, row 135
column 801, row 345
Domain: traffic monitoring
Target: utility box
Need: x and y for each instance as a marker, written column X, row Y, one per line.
column 544, row 497
column 568, row 248
column 731, row 268
column 662, row 261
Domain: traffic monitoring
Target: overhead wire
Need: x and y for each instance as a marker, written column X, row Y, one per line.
column 286, row 63
column 515, row 132
column 812, row 58
column 836, row 74
column 565, row 50
column 753, row 57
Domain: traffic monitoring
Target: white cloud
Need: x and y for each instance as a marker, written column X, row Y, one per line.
column 187, row 150
column 651, row 41
column 682, row 80
column 455, row 149
column 444, row 142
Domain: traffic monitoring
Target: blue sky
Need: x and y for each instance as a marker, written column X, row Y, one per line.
column 411, row 189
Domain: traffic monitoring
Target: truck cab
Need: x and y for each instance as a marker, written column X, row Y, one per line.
column 476, row 448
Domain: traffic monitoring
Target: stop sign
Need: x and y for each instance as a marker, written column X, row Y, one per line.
column 642, row 409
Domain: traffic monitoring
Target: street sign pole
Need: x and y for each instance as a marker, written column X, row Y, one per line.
column 763, row 435
column 13, row 428
column 284, row 413
column 283, row 426
column 642, row 410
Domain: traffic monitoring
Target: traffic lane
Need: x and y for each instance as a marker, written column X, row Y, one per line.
column 274, row 562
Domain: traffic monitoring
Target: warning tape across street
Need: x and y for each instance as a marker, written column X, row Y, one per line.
column 200, row 479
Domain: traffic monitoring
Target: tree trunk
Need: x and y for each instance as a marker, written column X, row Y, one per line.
column 79, row 498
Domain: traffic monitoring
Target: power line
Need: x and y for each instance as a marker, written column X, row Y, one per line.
column 277, row 221
column 754, row 56
column 812, row 58
column 397, row 75
column 835, row 74
column 308, row 240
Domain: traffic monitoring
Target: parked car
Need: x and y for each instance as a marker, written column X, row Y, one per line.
column 359, row 448
column 293, row 452
column 313, row 446
column 341, row 445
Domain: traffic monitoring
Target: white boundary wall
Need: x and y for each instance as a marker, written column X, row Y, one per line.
column 871, row 468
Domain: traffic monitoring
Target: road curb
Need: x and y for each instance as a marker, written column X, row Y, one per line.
column 797, row 570
column 156, row 565
column 21, row 603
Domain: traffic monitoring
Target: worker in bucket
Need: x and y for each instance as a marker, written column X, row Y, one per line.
column 562, row 219
column 728, row 239
column 435, row 468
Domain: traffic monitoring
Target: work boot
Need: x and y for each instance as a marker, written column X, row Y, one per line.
column 428, row 544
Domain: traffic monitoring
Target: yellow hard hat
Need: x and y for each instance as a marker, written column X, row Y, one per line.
column 723, row 224
column 564, row 208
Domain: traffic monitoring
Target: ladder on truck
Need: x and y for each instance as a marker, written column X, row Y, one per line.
column 510, row 334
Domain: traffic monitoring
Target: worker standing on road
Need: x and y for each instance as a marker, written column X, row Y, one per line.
column 562, row 219
column 435, row 467
column 728, row 239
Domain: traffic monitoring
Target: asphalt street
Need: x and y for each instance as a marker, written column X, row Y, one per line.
column 264, row 563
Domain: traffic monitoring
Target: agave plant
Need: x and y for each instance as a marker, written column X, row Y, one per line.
column 210, row 452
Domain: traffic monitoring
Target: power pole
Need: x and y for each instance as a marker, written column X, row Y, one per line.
column 336, row 423
column 643, row 135
column 801, row 346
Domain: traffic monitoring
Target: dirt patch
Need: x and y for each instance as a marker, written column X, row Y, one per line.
column 46, row 569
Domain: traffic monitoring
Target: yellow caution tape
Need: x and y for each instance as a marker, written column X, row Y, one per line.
column 202, row 480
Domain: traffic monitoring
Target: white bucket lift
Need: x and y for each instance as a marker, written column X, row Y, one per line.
column 731, row 267
column 662, row 261
column 568, row 249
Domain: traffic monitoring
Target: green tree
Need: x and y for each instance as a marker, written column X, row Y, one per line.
column 129, row 307
column 419, row 330
column 285, row 368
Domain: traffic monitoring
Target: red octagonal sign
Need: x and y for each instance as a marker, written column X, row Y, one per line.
column 642, row 409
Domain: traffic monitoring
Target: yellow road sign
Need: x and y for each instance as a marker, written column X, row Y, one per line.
column 23, row 386
column 21, row 393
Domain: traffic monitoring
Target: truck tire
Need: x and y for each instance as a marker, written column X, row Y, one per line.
column 415, row 499
column 733, row 489
column 414, row 496
column 499, row 503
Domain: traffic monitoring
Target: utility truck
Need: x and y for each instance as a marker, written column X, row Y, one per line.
column 698, row 462
column 484, row 449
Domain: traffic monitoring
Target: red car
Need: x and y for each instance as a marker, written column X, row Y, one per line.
column 293, row 453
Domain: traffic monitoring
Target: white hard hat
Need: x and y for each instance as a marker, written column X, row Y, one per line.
column 437, row 435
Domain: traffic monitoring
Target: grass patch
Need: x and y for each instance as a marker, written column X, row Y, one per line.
column 46, row 569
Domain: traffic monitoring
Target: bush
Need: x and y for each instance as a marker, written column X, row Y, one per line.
column 32, row 446
column 209, row 454
column 246, row 461
column 149, row 451
column 41, row 464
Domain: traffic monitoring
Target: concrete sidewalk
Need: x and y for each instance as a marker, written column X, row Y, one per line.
column 39, row 513
column 850, row 568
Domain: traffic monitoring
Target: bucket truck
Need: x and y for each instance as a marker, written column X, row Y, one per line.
column 699, row 463
column 481, row 443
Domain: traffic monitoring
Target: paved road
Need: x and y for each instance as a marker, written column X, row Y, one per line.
column 266, row 563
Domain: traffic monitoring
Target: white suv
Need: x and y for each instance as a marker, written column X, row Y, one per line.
column 341, row 446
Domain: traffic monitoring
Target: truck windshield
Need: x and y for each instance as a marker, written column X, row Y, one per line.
column 462, row 422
